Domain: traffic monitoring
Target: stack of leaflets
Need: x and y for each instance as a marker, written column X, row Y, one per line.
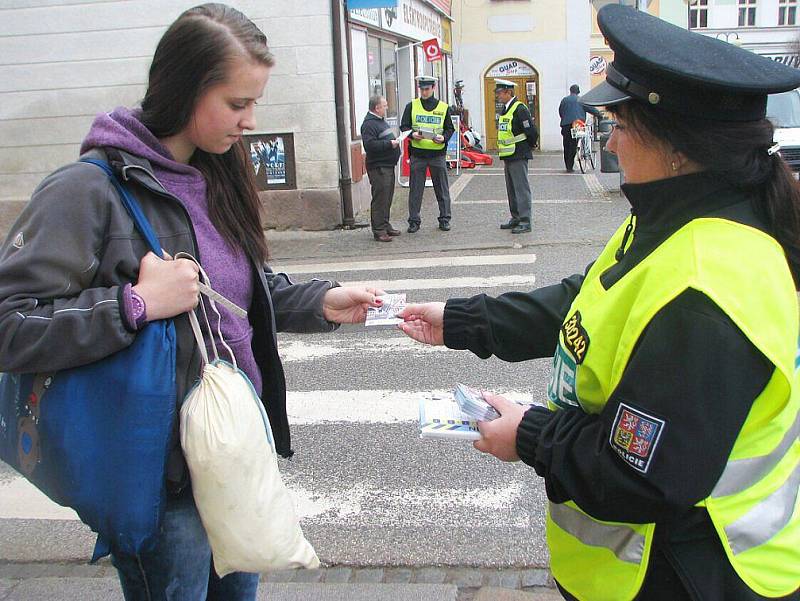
column 472, row 404
column 441, row 417
column 455, row 414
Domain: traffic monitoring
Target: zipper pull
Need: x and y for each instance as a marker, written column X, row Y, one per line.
column 621, row 250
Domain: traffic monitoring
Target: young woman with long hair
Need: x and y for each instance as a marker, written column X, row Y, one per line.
column 83, row 283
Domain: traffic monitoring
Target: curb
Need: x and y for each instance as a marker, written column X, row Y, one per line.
column 463, row 577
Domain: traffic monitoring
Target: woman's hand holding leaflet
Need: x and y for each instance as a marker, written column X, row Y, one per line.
column 349, row 304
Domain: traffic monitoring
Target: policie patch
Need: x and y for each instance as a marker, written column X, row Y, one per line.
column 576, row 340
column 635, row 435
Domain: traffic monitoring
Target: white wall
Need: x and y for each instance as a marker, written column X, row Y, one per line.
column 559, row 63
column 61, row 63
column 360, row 75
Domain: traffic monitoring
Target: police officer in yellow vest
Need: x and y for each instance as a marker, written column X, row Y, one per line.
column 432, row 126
column 670, row 447
column 516, row 135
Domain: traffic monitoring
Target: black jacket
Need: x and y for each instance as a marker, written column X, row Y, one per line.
column 720, row 375
column 449, row 129
column 377, row 136
column 522, row 122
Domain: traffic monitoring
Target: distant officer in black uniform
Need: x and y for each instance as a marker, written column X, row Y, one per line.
column 669, row 448
column 516, row 135
column 432, row 126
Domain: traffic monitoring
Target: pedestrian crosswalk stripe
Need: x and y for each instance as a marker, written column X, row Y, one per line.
column 447, row 283
column 365, row 406
column 539, row 201
column 393, row 342
column 415, row 263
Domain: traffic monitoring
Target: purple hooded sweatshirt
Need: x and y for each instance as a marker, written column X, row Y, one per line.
column 228, row 267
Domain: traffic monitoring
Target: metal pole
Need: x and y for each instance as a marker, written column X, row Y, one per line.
column 345, row 181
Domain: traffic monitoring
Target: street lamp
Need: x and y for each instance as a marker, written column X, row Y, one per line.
column 726, row 35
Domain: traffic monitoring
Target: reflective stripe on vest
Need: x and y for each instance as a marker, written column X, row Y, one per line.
column 741, row 474
column 754, row 506
column 506, row 140
column 622, row 540
column 428, row 120
column 766, row 519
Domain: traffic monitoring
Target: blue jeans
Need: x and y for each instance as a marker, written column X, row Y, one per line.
column 180, row 568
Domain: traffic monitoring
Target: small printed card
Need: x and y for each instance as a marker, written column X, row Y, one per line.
column 386, row 314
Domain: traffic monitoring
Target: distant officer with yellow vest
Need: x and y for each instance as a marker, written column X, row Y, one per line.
column 670, row 446
column 429, row 120
column 516, row 135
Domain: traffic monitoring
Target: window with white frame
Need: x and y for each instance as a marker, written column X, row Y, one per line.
column 698, row 14
column 747, row 13
column 787, row 12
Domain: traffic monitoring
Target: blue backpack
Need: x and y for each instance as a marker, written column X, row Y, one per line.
column 96, row 437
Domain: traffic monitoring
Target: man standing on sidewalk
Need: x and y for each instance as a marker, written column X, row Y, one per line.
column 571, row 110
column 429, row 119
column 383, row 152
column 516, row 134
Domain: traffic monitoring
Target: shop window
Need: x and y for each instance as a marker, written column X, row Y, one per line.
column 698, row 14
column 382, row 72
column 747, row 13
column 787, row 12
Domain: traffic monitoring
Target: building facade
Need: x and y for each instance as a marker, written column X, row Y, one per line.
column 543, row 46
column 63, row 63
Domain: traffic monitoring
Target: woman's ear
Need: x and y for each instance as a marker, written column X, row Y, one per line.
column 680, row 164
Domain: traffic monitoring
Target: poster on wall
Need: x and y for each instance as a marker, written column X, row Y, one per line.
column 272, row 159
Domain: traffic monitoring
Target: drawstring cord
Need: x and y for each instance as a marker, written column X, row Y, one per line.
column 628, row 229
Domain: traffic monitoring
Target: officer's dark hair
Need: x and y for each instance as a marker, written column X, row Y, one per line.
column 374, row 101
column 574, row 89
column 193, row 55
column 735, row 152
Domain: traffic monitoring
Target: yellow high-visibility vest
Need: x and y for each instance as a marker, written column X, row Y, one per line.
column 506, row 140
column 428, row 120
column 755, row 506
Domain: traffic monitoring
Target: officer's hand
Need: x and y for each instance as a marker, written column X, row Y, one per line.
column 417, row 136
column 438, row 139
column 424, row 322
column 168, row 287
column 395, row 143
column 499, row 436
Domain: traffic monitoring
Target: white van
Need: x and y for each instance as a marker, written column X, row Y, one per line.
column 784, row 111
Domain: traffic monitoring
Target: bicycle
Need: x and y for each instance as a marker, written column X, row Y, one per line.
column 586, row 153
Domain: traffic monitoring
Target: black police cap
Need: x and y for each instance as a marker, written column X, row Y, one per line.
column 684, row 72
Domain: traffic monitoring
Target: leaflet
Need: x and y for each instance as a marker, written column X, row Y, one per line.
column 386, row 314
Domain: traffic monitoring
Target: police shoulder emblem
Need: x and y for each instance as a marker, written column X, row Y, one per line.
column 576, row 339
column 635, row 435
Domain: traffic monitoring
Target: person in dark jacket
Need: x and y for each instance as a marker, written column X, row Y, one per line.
column 516, row 136
column 669, row 447
column 77, row 283
column 432, row 125
column 383, row 152
column 570, row 110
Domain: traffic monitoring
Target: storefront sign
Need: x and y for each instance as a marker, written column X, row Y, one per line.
column 370, row 16
column 597, row 65
column 371, row 3
column 447, row 36
column 510, row 68
column 411, row 19
column 432, row 50
column 790, row 60
column 272, row 158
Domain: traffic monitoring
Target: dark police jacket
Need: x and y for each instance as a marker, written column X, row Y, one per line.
column 691, row 365
column 377, row 136
column 449, row 129
column 522, row 122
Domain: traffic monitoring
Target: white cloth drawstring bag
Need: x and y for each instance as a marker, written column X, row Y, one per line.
column 246, row 510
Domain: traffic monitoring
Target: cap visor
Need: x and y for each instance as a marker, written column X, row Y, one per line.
column 604, row 94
